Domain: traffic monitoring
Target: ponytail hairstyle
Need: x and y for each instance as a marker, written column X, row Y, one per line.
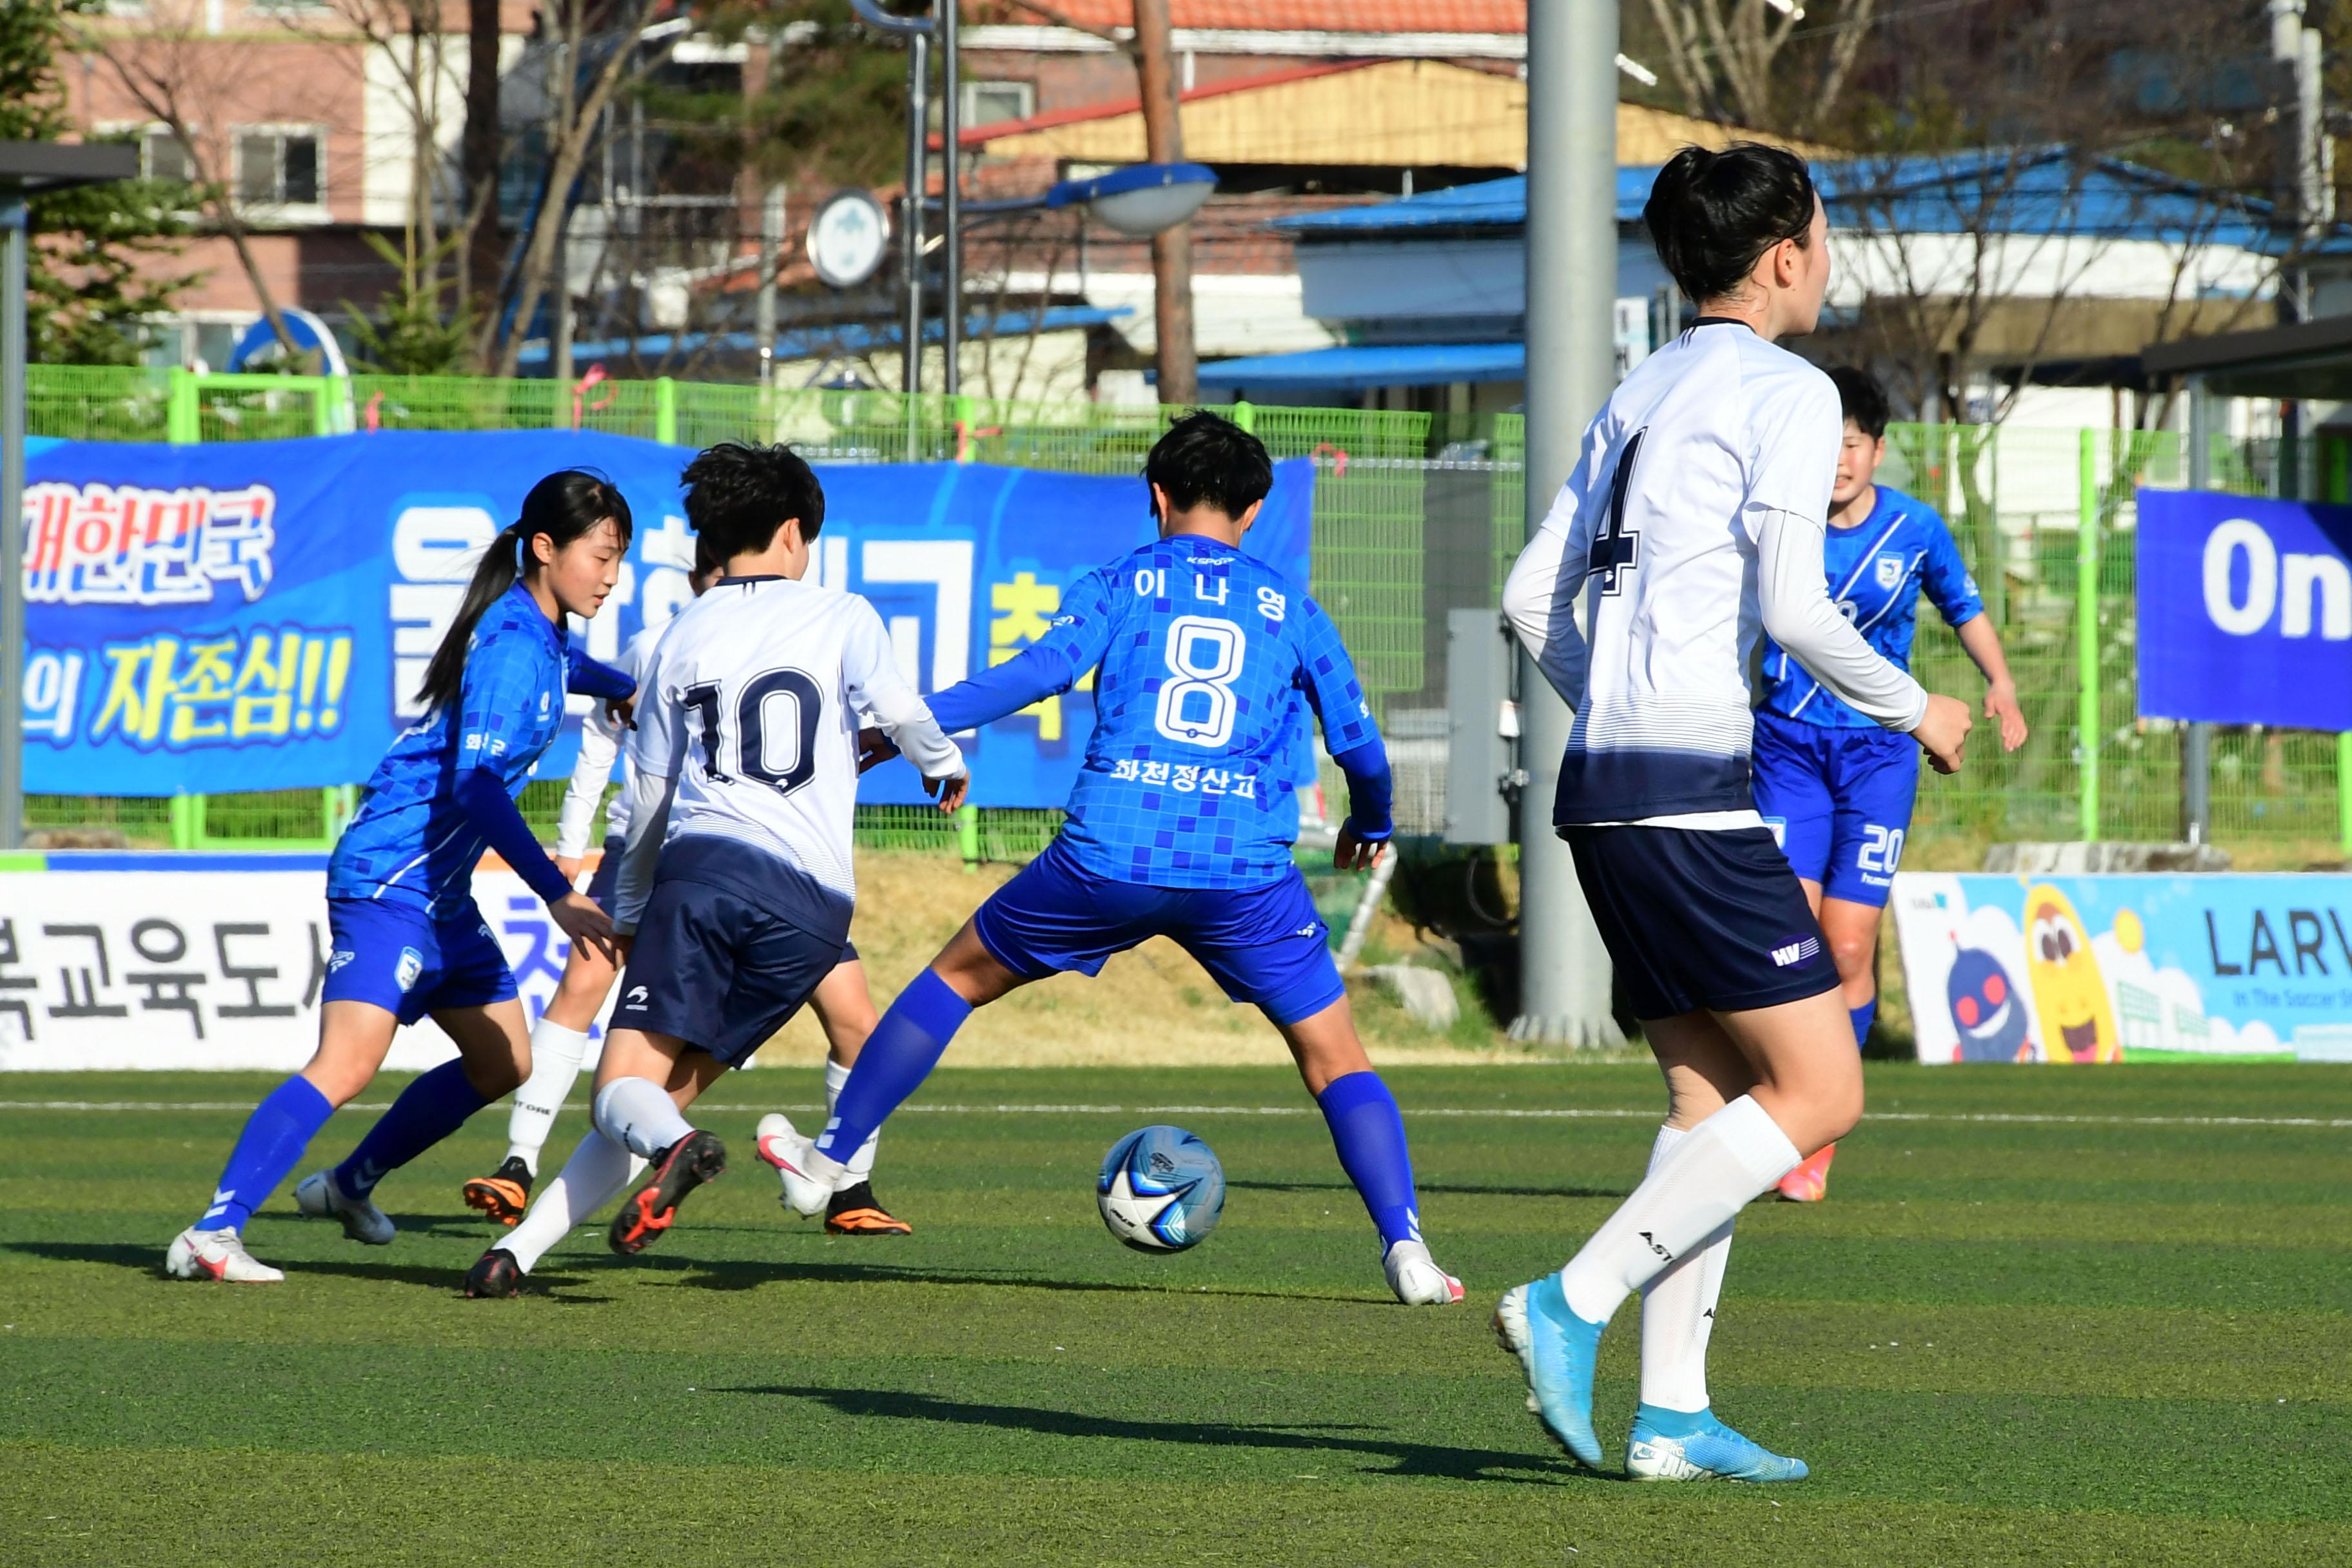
column 1713, row 215
column 563, row 506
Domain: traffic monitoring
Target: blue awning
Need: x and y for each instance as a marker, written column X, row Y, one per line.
column 1362, row 369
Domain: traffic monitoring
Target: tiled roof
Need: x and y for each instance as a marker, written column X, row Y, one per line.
column 1284, row 15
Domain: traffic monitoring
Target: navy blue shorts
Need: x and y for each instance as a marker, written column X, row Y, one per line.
column 1839, row 801
column 717, row 970
column 1694, row 919
column 408, row 963
column 1263, row 945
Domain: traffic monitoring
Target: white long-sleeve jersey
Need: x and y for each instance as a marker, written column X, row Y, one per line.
column 1692, row 523
column 600, row 742
column 746, row 747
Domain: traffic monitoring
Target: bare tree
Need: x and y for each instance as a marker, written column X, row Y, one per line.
column 1769, row 64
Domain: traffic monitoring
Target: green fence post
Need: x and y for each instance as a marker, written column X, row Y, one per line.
column 329, row 393
column 968, row 836
column 187, row 820
column 1245, row 415
column 665, row 411
column 2087, row 633
column 180, row 426
column 961, row 409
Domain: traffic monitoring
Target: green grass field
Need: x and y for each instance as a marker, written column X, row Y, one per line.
column 2047, row 1317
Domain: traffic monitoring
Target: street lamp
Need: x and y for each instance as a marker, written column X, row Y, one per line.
column 26, row 168
column 1141, row 200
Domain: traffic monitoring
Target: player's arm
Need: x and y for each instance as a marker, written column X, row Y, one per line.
column 1327, row 676
column 870, row 673
column 1072, row 645
column 657, row 753
column 498, row 685
column 600, row 743
column 1946, row 580
column 594, row 677
column 1539, row 597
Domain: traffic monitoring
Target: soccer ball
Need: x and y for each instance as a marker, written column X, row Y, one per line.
column 1162, row 1189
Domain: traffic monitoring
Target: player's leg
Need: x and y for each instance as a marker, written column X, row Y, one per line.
column 845, row 1010
column 354, row 1036
column 559, row 1043
column 636, row 1111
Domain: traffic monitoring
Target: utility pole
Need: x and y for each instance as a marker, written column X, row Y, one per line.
column 951, row 194
column 1571, row 286
column 1172, row 250
column 763, row 309
column 919, row 170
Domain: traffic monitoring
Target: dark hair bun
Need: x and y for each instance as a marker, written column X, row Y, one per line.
column 1711, row 215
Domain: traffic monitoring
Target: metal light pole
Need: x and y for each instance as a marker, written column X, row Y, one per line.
column 951, row 210
column 763, row 304
column 1571, row 261
column 917, row 31
column 26, row 167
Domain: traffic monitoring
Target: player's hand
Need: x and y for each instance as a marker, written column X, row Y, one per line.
column 949, row 793
column 623, row 713
column 570, row 866
column 1943, row 731
column 584, row 922
column 874, row 748
column 1354, row 853
column 2001, row 706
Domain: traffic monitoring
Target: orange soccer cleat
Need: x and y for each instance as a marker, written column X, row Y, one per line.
column 1809, row 1181
column 504, row 1194
column 856, row 1211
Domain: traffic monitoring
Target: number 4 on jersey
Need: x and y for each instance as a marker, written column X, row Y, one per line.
column 1617, row 551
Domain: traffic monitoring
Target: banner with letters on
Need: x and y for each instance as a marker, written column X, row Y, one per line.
column 2245, row 610
column 217, row 967
column 2127, row 968
column 253, row 615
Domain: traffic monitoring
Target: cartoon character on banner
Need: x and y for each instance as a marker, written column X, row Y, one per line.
column 2070, row 994
column 1987, row 1012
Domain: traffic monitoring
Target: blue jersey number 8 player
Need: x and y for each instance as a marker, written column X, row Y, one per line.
column 1834, row 786
column 408, row 941
column 1180, row 826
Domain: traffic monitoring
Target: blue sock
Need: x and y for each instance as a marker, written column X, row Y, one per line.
column 1861, row 1017
column 900, row 1053
column 1369, row 1132
column 428, row 1111
column 1667, row 1423
column 275, row 1135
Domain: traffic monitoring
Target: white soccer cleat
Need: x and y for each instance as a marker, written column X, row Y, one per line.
column 216, row 1255
column 1417, row 1280
column 810, row 1178
column 320, row 1197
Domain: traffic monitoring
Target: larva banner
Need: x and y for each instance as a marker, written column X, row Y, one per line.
column 2127, row 968
column 256, row 615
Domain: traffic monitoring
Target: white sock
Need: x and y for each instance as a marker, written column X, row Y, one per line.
column 1709, row 1175
column 637, row 1115
column 860, row 1165
column 1678, row 1312
column 555, row 1052
column 591, row 1178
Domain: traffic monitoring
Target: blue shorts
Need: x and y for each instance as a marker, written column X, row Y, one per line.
column 408, row 963
column 1839, row 801
column 1700, row 918
column 717, row 970
column 1264, row 945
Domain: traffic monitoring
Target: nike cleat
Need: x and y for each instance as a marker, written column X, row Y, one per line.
column 494, row 1275
column 216, row 1255
column 1416, row 1278
column 1809, row 1181
column 1701, row 1449
column 321, row 1197
column 1559, row 1350
column 856, row 1211
column 696, row 1158
column 810, row 1178
column 504, row 1194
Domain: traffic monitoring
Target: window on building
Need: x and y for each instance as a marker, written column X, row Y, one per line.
column 990, row 102
column 277, row 167
column 162, row 157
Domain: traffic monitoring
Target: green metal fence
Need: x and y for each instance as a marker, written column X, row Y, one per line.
column 1414, row 514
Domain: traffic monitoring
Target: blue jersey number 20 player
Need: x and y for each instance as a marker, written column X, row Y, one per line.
column 1180, row 826
column 1834, row 786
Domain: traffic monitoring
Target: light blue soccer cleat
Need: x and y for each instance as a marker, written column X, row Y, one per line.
column 1672, row 1445
column 1559, row 1350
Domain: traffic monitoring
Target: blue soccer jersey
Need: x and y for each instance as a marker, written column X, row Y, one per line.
column 1208, row 661
column 410, row 842
column 1876, row 572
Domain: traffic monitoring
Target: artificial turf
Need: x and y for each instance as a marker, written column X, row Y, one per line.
column 2116, row 1337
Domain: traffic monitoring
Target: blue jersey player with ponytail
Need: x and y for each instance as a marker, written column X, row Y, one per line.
column 408, row 941
column 1207, row 663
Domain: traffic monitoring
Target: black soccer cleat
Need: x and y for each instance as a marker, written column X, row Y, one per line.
column 696, row 1158
column 495, row 1274
column 856, row 1211
column 504, row 1194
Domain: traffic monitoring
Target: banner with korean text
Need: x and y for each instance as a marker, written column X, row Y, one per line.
column 254, row 615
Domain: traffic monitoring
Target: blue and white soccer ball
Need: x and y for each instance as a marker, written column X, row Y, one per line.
column 1162, row 1189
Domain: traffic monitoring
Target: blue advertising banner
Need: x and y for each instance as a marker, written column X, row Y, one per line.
column 256, row 615
column 2245, row 610
column 2127, row 968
